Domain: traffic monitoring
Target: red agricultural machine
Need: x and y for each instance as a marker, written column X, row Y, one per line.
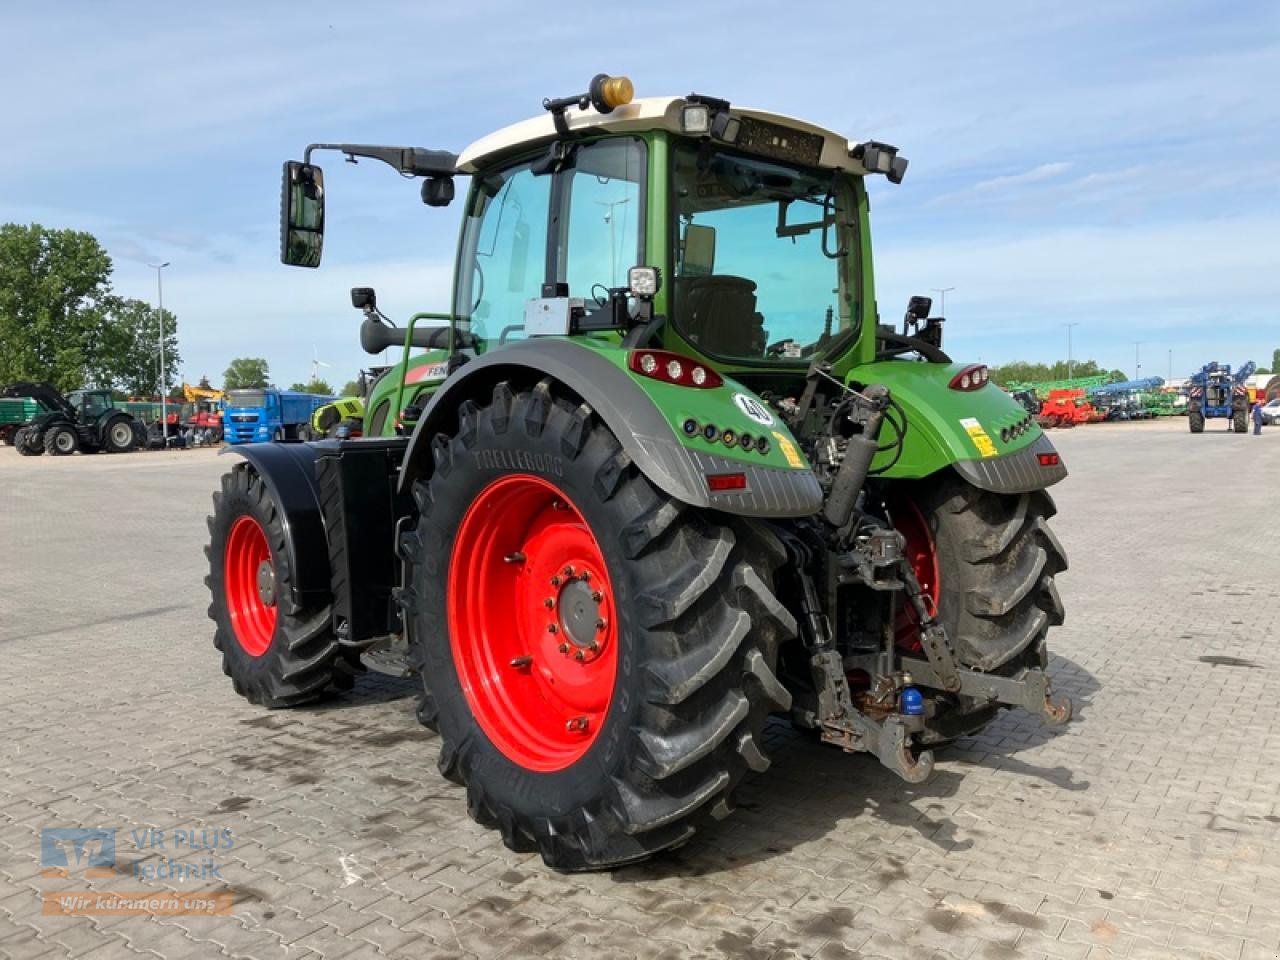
column 1066, row 408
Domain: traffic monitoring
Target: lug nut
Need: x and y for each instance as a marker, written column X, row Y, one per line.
column 552, row 628
column 579, row 656
column 585, row 575
column 601, row 624
column 568, row 571
column 555, row 581
column 577, row 723
column 564, row 648
column 597, row 596
column 549, row 603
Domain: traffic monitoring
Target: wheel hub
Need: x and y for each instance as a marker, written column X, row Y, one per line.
column 579, row 617
column 267, row 583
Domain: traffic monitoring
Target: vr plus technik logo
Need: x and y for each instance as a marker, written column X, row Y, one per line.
column 87, row 851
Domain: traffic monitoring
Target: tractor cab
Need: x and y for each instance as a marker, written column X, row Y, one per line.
column 91, row 404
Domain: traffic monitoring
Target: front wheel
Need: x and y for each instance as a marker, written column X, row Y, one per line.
column 276, row 652
column 597, row 658
column 1240, row 420
column 60, row 440
column 27, row 442
column 1195, row 420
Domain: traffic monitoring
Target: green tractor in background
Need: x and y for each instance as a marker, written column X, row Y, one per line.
column 660, row 474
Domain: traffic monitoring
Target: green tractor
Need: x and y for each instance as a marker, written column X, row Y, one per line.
column 85, row 420
column 660, row 475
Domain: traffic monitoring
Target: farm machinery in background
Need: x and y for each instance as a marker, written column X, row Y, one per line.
column 86, row 420
column 1215, row 392
column 1068, row 408
column 1126, row 400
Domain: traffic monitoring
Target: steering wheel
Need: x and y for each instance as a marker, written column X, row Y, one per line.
column 479, row 287
column 600, row 301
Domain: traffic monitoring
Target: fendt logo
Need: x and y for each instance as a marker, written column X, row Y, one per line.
column 67, row 849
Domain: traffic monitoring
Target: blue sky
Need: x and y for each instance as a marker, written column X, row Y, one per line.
column 1115, row 165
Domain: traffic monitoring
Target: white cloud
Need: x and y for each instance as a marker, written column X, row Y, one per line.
column 1045, row 171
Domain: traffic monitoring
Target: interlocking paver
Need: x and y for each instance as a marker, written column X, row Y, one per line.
column 1150, row 827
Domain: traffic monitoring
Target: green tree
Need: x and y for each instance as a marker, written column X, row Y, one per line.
column 1023, row 371
column 204, row 383
column 125, row 349
column 246, row 373
column 352, row 389
column 314, row 386
column 54, row 285
column 1275, row 360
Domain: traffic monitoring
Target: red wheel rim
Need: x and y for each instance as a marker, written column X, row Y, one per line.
column 249, row 582
column 922, row 554
column 529, row 598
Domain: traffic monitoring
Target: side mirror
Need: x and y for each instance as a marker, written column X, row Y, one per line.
column 918, row 307
column 301, row 214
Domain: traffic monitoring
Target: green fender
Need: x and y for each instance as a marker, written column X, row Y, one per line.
column 647, row 416
column 427, row 371
column 984, row 434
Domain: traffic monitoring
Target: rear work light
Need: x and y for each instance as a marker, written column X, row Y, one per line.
column 720, row 482
column 972, row 377
column 1049, row 459
column 673, row 368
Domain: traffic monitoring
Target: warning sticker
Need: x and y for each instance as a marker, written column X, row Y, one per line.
column 788, row 450
column 984, row 443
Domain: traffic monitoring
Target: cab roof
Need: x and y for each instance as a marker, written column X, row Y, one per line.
column 646, row 113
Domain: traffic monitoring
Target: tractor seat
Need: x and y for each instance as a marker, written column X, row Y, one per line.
column 718, row 313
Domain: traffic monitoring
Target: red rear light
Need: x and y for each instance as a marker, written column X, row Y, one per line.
column 673, row 368
column 1049, row 459
column 719, row 482
column 972, row 377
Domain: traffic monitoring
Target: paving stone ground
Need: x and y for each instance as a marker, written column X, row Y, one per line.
column 1147, row 828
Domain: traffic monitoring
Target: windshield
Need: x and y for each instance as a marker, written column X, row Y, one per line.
column 760, row 267
column 247, row 398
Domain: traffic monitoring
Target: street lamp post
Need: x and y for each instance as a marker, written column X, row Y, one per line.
column 942, row 299
column 1137, row 359
column 164, row 398
column 1070, row 364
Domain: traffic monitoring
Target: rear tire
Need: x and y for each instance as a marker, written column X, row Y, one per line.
column 119, row 436
column 277, row 654
column 1195, row 420
column 997, row 561
column 694, row 646
column 1240, row 420
column 60, row 440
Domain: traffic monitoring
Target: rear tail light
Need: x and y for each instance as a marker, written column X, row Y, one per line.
column 720, row 482
column 972, row 377
column 673, row 368
column 1049, row 459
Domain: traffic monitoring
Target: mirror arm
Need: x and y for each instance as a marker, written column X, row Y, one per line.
column 409, row 161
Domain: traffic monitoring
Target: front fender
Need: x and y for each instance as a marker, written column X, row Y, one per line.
column 289, row 472
column 631, row 412
column 984, row 434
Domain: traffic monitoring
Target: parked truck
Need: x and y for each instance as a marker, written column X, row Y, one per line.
column 662, row 476
column 252, row 416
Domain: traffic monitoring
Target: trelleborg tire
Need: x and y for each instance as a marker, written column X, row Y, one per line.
column 277, row 653
column 597, row 658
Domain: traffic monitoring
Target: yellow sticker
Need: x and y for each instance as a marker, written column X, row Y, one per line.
column 788, row 450
column 984, row 443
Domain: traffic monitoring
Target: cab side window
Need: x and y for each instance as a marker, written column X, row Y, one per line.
column 509, row 261
column 602, row 235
